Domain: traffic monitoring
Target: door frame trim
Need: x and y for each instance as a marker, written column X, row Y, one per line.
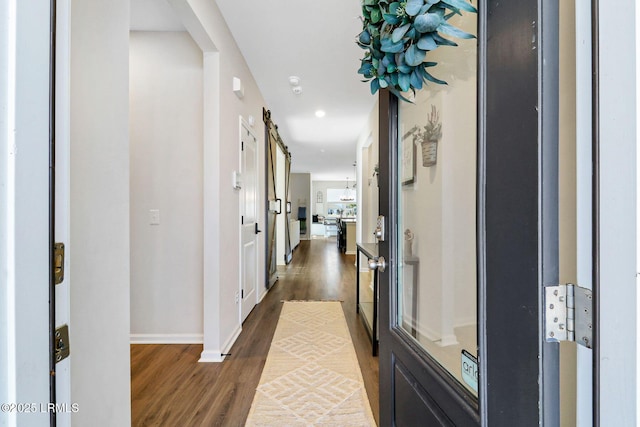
column 52, row 206
column 595, row 200
column 521, row 214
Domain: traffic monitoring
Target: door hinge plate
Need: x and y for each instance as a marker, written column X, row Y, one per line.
column 62, row 343
column 58, row 263
column 569, row 314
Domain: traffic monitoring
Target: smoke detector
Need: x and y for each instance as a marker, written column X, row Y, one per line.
column 294, row 81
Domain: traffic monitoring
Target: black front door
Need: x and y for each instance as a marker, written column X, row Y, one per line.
column 469, row 191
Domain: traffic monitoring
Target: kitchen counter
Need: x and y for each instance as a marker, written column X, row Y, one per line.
column 347, row 235
column 330, row 227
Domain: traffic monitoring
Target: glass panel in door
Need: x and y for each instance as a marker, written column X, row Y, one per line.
column 437, row 273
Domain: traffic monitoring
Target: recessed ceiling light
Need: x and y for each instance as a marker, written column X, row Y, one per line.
column 320, row 113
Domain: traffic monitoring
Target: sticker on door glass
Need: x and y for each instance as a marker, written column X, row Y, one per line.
column 469, row 366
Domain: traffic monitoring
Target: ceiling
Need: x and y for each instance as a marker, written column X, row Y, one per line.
column 313, row 40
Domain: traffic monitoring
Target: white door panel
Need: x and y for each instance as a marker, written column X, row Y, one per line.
column 249, row 227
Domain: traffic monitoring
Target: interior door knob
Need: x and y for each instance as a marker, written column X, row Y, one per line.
column 378, row 264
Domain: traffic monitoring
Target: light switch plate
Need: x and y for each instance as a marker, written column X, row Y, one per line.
column 154, row 216
column 237, row 180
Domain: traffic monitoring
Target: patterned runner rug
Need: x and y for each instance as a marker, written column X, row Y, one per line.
column 311, row 376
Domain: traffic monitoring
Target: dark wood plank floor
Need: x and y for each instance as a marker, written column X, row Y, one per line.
column 170, row 388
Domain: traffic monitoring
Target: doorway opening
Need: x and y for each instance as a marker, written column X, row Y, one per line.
column 166, row 187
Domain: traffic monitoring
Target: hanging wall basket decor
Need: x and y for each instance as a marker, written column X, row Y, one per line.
column 398, row 35
column 429, row 152
column 428, row 138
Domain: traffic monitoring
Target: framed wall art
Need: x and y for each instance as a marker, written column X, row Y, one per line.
column 408, row 161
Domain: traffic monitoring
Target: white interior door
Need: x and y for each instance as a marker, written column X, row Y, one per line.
column 281, row 198
column 24, row 213
column 249, row 227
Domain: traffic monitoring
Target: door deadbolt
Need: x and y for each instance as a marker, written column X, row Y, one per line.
column 378, row 233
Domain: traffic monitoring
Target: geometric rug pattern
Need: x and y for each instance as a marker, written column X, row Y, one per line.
column 311, row 376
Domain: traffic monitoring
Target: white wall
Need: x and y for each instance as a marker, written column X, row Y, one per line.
column 368, row 190
column 166, row 130
column 222, row 108
column 440, row 206
column 24, row 130
column 442, row 218
column 619, row 100
column 99, row 246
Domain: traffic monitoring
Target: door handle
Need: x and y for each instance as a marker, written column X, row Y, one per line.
column 279, row 206
column 257, row 231
column 377, row 264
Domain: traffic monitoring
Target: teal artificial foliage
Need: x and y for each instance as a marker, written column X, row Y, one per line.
column 397, row 35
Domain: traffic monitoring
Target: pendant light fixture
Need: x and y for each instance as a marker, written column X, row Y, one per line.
column 347, row 195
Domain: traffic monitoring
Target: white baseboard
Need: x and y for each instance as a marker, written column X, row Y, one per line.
column 232, row 339
column 261, row 297
column 211, row 356
column 428, row 333
column 166, row 338
column 439, row 339
column 465, row 321
column 448, row 340
column 216, row 356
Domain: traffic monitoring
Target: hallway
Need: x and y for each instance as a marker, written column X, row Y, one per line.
column 169, row 387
